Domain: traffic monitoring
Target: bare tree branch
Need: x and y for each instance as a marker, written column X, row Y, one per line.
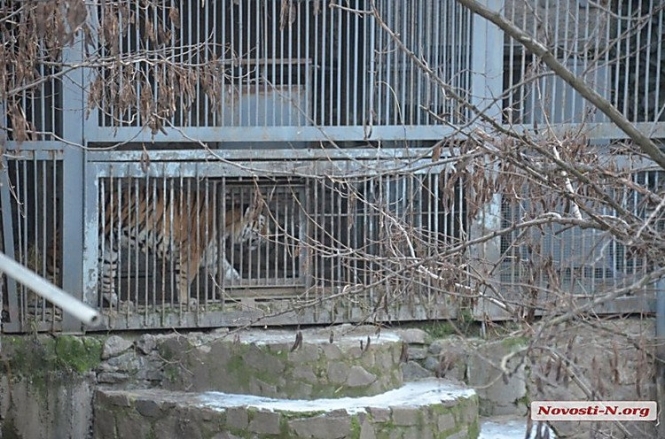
column 546, row 55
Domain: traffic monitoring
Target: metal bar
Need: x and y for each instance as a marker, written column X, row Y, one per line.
column 48, row 291
column 257, row 135
column 8, row 244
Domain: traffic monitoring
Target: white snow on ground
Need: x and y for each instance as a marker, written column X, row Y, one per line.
column 507, row 428
column 413, row 394
column 342, row 334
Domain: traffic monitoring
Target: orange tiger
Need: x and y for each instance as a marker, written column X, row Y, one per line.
column 176, row 226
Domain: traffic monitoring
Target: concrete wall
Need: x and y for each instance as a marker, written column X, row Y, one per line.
column 579, row 361
column 47, row 384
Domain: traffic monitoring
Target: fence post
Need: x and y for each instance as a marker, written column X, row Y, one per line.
column 8, row 247
column 486, row 87
column 660, row 352
column 73, row 105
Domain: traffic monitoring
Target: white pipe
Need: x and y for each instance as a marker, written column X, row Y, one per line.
column 48, row 291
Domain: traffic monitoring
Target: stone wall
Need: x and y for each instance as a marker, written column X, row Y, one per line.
column 581, row 361
column 48, row 383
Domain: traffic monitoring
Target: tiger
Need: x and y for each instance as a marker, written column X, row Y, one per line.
column 177, row 227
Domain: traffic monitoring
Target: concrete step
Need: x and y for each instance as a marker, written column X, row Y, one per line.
column 512, row 427
column 426, row 409
column 317, row 363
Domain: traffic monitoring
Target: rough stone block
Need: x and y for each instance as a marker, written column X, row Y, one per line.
column 146, row 343
column 265, row 422
column 367, row 431
column 406, row 416
column 413, row 335
column 338, row 372
column 305, row 373
column 133, row 426
column 413, row 371
column 462, row 434
column 104, row 424
column 306, row 353
column 379, row 414
column 237, row 418
column 445, row 422
column 322, row 427
column 114, row 346
column 148, row 408
column 359, row 377
column 331, row 351
column 417, row 353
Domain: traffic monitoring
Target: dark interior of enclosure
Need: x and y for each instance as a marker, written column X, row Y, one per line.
column 31, row 215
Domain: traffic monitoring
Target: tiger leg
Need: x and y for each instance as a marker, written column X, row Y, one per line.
column 185, row 273
column 230, row 273
column 108, row 263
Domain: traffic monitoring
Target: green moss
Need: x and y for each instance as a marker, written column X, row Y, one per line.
column 523, row 400
column 513, row 342
column 172, row 372
column 35, row 356
column 355, row 428
column 237, row 368
column 438, row 329
column 78, row 354
column 9, row 430
column 284, row 430
column 473, row 430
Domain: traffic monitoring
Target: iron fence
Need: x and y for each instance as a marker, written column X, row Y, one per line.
column 541, row 266
column 316, row 239
column 165, row 243
column 240, row 77
column 617, row 47
column 31, row 204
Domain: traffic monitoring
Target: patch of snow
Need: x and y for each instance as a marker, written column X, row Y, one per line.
column 413, row 394
column 341, row 334
column 508, row 428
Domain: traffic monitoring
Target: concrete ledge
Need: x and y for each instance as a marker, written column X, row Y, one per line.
column 425, row 409
column 320, row 363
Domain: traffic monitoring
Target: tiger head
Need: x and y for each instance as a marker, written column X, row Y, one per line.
column 249, row 228
column 254, row 228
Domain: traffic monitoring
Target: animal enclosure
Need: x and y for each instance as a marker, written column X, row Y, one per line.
column 219, row 163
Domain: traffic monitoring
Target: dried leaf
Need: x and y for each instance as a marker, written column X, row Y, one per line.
column 77, row 13
column 174, row 16
column 436, row 152
column 146, row 101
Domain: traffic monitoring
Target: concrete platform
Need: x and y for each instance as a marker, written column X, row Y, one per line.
column 308, row 364
column 424, row 409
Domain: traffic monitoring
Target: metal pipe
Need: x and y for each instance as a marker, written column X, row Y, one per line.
column 660, row 319
column 660, row 348
column 48, row 291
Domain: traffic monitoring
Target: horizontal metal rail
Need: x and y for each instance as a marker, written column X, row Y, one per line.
column 48, row 291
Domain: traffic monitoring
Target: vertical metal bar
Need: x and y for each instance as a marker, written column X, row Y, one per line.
column 38, row 216
column 73, row 182
column 659, row 73
column 8, row 245
column 371, row 78
column 647, row 102
column 222, row 232
column 305, row 81
column 638, row 47
column 387, row 72
column 627, row 65
column 353, row 86
column 316, row 269
column 326, row 64
column 43, row 247
column 340, row 63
